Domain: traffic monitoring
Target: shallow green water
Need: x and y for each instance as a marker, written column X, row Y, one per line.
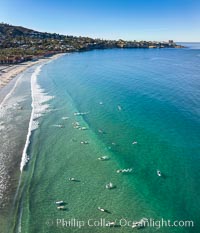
column 158, row 92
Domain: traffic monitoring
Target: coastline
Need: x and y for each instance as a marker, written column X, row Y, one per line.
column 16, row 79
column 9, row 72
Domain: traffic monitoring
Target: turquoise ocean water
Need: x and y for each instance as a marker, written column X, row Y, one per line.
column 147, row 96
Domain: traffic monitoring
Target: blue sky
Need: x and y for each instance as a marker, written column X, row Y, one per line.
column 112, row 19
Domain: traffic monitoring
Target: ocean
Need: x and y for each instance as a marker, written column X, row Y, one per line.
column 137, row 107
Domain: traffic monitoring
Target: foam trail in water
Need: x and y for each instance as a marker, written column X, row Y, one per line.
column 39, row 107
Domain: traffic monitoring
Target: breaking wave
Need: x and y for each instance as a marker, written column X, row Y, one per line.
column 39, row 107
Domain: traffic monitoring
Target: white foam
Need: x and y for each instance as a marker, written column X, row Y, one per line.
column 39, row 107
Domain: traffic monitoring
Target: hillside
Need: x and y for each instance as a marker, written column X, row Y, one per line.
column 27, row 43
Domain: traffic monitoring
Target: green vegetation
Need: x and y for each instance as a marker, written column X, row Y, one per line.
column 18, row 44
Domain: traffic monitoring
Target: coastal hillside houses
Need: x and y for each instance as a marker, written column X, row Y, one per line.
column 19, row 59
column 18, row 44
column 14, row 59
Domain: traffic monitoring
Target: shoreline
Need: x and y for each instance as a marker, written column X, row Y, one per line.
column 13, row 131
column 13, row 176
column 9, row 73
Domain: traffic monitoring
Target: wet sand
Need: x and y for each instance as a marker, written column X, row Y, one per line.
column 8, row 72
column 15, row 110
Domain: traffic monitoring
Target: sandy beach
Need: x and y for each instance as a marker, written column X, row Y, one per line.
column 16, row 120
column 8, row 72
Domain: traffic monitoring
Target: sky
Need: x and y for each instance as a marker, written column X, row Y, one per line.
column 159, row 20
